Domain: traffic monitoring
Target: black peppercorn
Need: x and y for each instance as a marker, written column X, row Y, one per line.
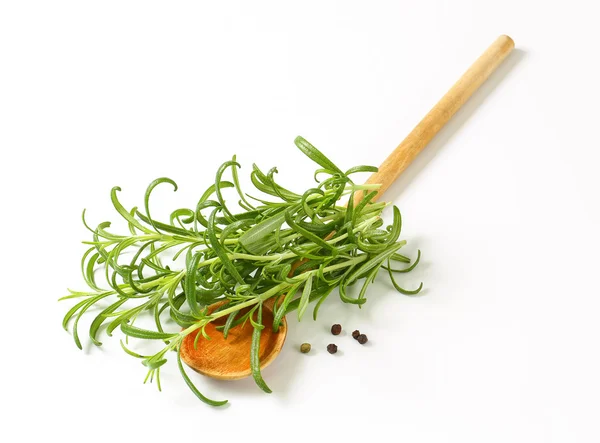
column 336, row 329
column 332, row 349
column 355, row 334
column 362, row 339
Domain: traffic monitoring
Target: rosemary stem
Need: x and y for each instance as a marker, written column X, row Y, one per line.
column 271, row 292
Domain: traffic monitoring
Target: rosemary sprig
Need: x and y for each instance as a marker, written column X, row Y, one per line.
column 297, row 247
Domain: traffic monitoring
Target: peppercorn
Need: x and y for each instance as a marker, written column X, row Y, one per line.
column 305, row 348
column 331, row 348
column 362, row 339
column 355, row 334
column 336, row 329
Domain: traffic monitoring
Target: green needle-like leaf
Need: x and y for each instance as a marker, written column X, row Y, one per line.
column 304, row 298
column 315, row 155
column 255, row 351
column 193, row 388
column 146, row 334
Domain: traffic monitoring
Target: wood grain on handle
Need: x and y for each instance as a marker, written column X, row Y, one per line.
column 427, row 128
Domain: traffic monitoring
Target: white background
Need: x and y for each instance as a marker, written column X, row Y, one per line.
column 503, row 344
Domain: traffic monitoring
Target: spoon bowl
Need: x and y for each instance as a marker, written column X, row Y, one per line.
column 229, row 359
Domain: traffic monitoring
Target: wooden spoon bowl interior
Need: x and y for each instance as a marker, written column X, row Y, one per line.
column 229, row 359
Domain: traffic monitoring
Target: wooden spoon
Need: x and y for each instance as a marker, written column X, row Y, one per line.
column 229, row 359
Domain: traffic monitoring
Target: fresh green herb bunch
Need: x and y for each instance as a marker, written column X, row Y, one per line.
column 295, row 247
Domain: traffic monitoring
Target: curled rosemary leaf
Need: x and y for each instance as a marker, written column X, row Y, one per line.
column 297, row 247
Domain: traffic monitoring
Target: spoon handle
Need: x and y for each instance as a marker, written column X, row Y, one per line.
column 439, row 115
